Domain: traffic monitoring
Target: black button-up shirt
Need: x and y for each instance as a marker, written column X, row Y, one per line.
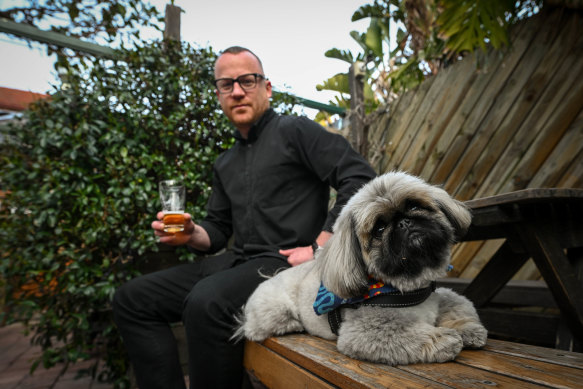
column 272, row 190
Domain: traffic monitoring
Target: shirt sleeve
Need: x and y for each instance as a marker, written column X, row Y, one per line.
column 334, row 161
column 218, row 223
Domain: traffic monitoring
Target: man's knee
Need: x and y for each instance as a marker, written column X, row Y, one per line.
column 207, row 303
column 125, row 297
column 120, row 300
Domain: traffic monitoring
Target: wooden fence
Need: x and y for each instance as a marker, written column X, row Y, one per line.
column 494, row 123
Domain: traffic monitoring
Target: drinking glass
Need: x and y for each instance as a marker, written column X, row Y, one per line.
column 172, row 198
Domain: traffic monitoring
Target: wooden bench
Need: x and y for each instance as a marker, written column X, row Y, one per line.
column 304, row 361
column 547, row 226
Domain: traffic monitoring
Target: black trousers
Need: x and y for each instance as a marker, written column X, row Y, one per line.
column 205, row 295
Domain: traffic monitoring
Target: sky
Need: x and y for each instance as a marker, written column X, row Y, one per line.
column 289, row 36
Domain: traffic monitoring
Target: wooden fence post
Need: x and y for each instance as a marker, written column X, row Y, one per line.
column 172, row 22
column 357, row 138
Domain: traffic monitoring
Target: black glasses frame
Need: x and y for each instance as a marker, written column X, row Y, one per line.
column 229, row 87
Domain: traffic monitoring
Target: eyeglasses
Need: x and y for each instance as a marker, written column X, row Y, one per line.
column 246, row 81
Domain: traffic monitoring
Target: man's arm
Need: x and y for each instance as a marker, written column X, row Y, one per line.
column 333, row 160
column 300, row 255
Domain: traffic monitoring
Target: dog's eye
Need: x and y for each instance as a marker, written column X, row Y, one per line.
column 413, row 205
column 378, row 229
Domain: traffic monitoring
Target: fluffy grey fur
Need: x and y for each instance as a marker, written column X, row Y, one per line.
column 400, row 230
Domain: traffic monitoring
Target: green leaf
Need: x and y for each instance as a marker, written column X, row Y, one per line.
column 338, row 83
column 340, row 54
column 374, row 38
column 367, row 11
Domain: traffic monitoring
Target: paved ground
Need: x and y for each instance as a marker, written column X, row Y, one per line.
column 16, row 352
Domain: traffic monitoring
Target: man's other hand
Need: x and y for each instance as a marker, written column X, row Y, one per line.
column 298, row 255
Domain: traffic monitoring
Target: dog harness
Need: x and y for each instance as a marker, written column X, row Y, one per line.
column 378, row 295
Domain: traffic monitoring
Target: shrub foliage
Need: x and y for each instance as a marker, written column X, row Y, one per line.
column 80, row 173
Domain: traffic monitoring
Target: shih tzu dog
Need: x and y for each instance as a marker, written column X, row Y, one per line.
column 372, row 286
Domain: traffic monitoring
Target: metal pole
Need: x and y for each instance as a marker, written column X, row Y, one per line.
column 54, row 38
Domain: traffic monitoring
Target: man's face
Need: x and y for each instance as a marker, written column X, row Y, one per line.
column 242, row 107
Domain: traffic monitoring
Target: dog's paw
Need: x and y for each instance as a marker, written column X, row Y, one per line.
column 419, row 344
column 444, row 346
column 474, row 335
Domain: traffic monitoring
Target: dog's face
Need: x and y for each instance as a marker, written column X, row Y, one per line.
column 397, row 229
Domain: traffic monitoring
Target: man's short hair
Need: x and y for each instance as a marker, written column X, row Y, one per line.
column 238, row 50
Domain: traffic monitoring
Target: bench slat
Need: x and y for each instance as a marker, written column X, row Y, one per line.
column 521, row 368
column 320, row 357
column 276, row 371
column 457, row 375
column 558, row 357
column 500, row 364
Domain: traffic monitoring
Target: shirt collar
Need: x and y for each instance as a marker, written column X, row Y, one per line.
column 256, row 128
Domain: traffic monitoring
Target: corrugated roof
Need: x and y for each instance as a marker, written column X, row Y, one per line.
column 17, row 100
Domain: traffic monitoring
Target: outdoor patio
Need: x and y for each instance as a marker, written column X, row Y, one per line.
column 16, row 354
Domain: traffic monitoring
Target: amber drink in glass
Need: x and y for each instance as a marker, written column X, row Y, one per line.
column 172, row 198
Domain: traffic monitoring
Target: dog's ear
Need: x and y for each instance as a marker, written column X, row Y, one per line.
column 457, row 213
column 340, row 261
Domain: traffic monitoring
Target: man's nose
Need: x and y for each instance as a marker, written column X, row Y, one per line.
column 237, row 90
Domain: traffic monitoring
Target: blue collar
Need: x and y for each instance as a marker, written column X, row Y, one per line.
column 379, row 295
column 327, row 301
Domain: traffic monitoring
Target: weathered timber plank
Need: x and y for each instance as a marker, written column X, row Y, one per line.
column 558, row 273
column 456, row 375
column 490, row 280
column 457, row 82
column 377, row 139
column 518, row 118
column 321, row 357
column 481, row 257
column 523, row 326
column 564, row 108
column 528, row 271
column 527, row 196
column 399, row 124
column 561, row 158
column 501, row 364
column 503, row 99
column 382, row 119
column 438, row 167
column 530, row 370
column 277, row 372
column 457, row 150
column 460, row 259
column 533, row 293
column 400, row 133
column 464, row 121
column 557, row 357
column 412, row 132
column 573, row 177
column 551, row 116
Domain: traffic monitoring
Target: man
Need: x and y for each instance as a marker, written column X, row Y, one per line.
column 270, row 191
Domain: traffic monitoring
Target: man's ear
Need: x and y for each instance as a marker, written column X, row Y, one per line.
column 268, row 88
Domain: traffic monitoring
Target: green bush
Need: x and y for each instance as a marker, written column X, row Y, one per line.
column 81, row 172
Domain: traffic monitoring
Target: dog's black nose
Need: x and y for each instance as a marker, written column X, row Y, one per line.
column 404, row 224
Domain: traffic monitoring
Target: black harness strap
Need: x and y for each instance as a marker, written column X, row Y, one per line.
column 387, row 300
